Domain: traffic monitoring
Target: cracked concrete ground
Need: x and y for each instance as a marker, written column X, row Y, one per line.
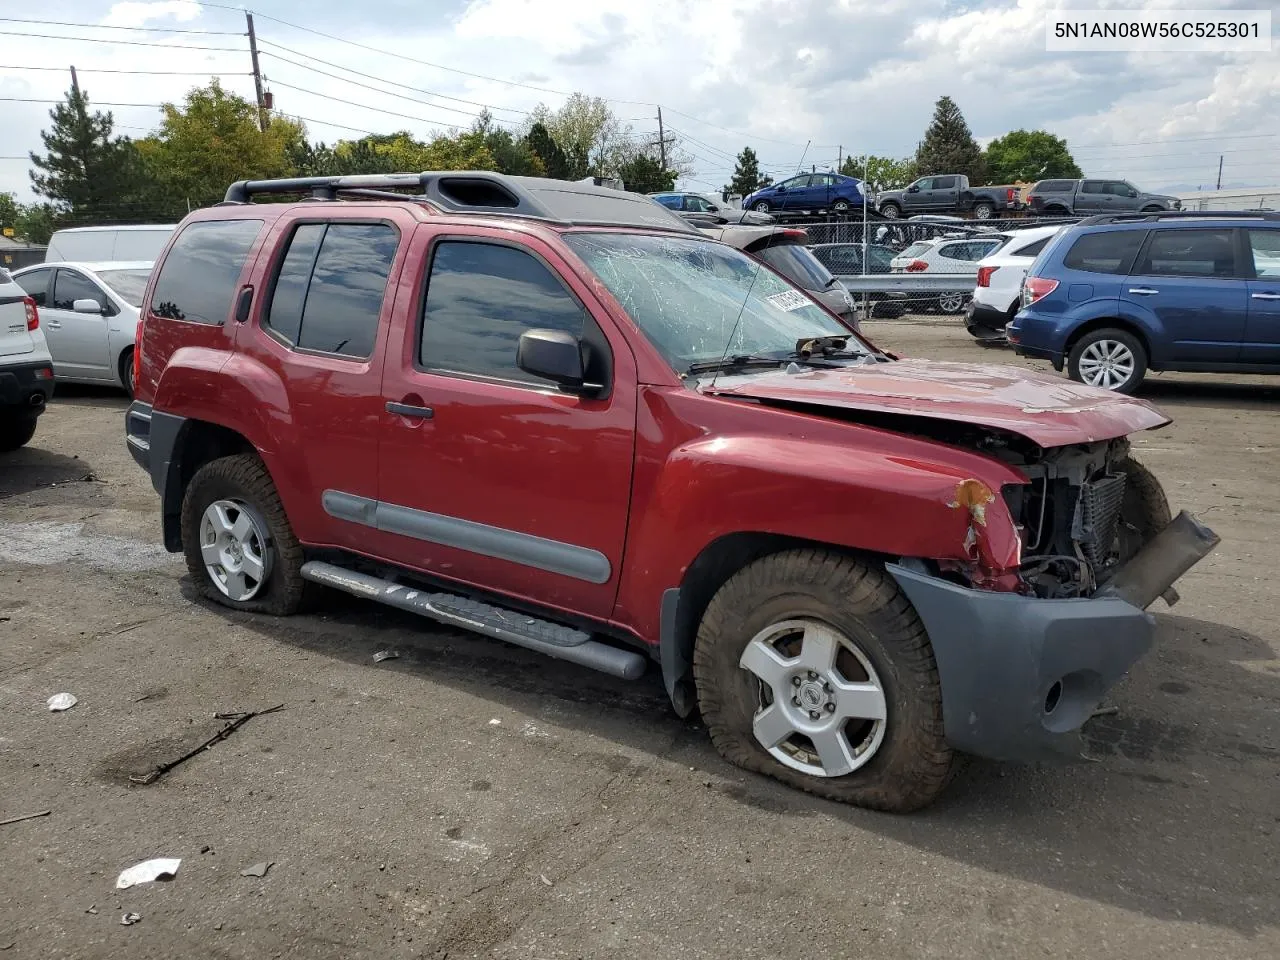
column 472, row 800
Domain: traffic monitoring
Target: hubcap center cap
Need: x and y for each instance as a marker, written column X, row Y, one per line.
column 812, row 695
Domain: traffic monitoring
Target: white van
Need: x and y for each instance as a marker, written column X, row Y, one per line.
column 109, row 243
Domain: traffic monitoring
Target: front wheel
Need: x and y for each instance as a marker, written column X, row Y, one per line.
column 891, row 211
column 238, row 544
column 1108, row 358
column 814, row 668
column 840, row 206
column 126, row 371
column 761, row 206
column 1144, row 511
column 16, row 433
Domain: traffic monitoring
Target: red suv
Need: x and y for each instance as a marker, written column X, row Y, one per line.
column 559, row 415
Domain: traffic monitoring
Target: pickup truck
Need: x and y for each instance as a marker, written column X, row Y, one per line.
column 947, row 193
column 1088, row 198
column 560, row 416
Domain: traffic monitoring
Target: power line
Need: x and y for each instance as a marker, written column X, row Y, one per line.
column 130, row 43
column 362, row 106
column 95, row 103
column 159, row 73
column 108, row 26
column 326, row 123
column 1152, row 143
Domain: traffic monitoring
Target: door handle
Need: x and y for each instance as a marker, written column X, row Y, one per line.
column 409, row 410
column 1143, row 291
column 1266, row 296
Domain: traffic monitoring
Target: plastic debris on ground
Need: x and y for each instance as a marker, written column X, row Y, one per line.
column 129, row 919
column 495, row 722
column 62, row 701
column 385, row 655
column 258, row 869
column 162, row 868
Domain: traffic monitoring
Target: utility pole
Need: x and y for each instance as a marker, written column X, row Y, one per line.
column 257, row 73
column 840, row 158
column 1219, row 187
column 663, row 140
column 75, row 82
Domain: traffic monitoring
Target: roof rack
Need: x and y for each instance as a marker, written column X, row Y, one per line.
column 1180, row 215
column 481, row 192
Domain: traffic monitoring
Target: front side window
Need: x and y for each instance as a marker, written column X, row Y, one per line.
column 698, row 300
column 1189, row 253
column 1265, row 246
column 670, row 202
column 197, row 281
column 480, row 298
column 926, row 183
column 1112, row 252
column 328, row 295
column 795, row 183
column 70, row 287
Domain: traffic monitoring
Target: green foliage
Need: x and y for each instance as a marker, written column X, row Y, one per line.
column 1029, row 155
column 644, row 174
column 746, row 174
column 880, row 173
column 542, row 146
column 37, row 221
column 948, row 146
column 594, row 142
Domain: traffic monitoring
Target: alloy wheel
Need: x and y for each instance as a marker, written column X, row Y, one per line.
column 235, row 548
column 823, row 709
column 951, row 302
column 1107, row 363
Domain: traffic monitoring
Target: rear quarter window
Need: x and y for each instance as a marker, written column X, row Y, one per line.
column 197, row 281
column 1112, row 252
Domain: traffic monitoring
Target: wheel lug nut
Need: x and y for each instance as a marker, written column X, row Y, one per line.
column 812, row 675
column 814, row 715
column 826, row 686
column 831, row 708
column 795, row 701
column 795, row 681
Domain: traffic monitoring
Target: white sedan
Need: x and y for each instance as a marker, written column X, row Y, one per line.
column 89, row 313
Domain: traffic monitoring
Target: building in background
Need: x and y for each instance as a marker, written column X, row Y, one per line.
column 1253, row 198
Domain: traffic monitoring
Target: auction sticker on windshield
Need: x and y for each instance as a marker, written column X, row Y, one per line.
column 788, row 300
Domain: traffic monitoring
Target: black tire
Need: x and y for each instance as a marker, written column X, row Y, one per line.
column 126, row 371
column 891, row 211
column 1056, row 211
column 984, row 211
column 913, row 762
column 16, row 432
column 1152, row 209
column 244, row 478
column 840, row 206
column 1144, row 512
column 1100, row 337
column 761, row 206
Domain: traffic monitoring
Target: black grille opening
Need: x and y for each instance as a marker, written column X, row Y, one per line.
column 469, row 192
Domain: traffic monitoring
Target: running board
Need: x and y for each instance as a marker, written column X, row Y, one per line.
column 563, row 643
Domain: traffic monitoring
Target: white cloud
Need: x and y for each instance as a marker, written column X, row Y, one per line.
column 135, row 14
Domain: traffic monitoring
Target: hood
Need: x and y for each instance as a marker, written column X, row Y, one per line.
column 1048, row 410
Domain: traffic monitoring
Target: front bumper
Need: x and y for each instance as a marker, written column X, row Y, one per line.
column 1020, row 675
column 26, row 387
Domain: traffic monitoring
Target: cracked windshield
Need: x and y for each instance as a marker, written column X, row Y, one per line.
column 699, row 301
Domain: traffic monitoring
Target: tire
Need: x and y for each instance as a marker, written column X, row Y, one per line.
column 1153, row 209
column 904, row 762
column 761, row 206
column 1056, row 211
column 1144, row 512
column 16, row 432
column 951, row 303
column 243, row 483
column 125, row 370
column 984, row 211
column 891, row 211
column 840, row 206
column 1109, row 358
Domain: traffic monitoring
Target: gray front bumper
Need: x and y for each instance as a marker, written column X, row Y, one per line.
column 1004, row 660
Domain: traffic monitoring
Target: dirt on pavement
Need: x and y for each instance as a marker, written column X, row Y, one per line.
column 470, row 799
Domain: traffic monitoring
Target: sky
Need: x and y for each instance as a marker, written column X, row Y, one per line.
column 800, row 81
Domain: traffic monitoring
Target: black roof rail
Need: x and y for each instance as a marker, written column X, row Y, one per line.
column 481, row 192
column 1180, row 215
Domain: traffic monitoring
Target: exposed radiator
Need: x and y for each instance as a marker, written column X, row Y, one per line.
column 1097, row 518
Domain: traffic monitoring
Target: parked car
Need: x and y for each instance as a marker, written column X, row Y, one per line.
column 541, row 412
column 90, row 313
column 785, row 250
column 948, row 193
column 998, row 293
column 26, row 371
column 845, row 260
column 692, row 203
column 1114, row 297
column 1091, row 197
column 104, row 244
column 808, row 191
column 951, row 255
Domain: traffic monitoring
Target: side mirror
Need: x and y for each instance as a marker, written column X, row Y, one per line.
column 557, row 356
column 1132, row 193
column 87, row 306
column 914, row 188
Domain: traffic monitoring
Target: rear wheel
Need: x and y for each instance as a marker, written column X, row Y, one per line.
column 813, row 668
column 951, row 302
column 238, row 544
column 984, row 211
column 1108, row 358
column 16, row 432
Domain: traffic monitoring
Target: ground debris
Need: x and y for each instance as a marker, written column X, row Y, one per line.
column 258, row 869
column 385, row 655
column 234, row 722
column 161, row 868
column 62, row 701
column 129, row 919
column 25, row 816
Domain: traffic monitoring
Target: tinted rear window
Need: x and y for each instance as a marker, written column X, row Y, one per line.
column 198, row 279
column 1053, row 186
column 1111, row 252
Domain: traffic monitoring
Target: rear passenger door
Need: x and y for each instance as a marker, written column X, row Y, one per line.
column 945, row 194
column 321, row 329
column 1193, row 284
column 1262, row 332
column 77, row 341
column 1092, row 197
column 490, row 475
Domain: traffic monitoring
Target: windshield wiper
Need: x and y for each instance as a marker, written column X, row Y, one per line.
column 737, row 361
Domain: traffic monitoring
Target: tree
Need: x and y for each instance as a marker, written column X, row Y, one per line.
column 948, row 146
column 1029, row 155
column 37, row 221
column 86, row 171
column 211, row 141
column 10, row 211
column 746, row 175
column 644, row 174
column 511, row 155
column 594, row 141
column 880, row 173
column 554, row 162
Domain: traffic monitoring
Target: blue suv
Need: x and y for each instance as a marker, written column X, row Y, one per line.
column 809, row 191
column 1116, row 296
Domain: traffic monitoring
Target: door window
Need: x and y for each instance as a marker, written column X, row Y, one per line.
column 36, row 285
column 1118, row 188
column 197, row 281
column 1189, row 253
column 480, row 298
column 1265, row 247
column 925, row 183
column 944, row 183
column 795, row 183
column 1111, row 252
column 69, row 287
column 1093, row 186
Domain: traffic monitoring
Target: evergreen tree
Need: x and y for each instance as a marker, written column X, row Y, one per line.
column 948, row 146
column 644, row 174
column 554, row 161
column 746, row 174
column 86, row 171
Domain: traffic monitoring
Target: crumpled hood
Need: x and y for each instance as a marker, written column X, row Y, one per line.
column 1049, row 410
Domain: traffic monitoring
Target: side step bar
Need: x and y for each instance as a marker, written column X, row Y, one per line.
column 553, row 639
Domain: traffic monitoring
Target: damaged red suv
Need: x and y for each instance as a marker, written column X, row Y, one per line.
column 559, row 415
